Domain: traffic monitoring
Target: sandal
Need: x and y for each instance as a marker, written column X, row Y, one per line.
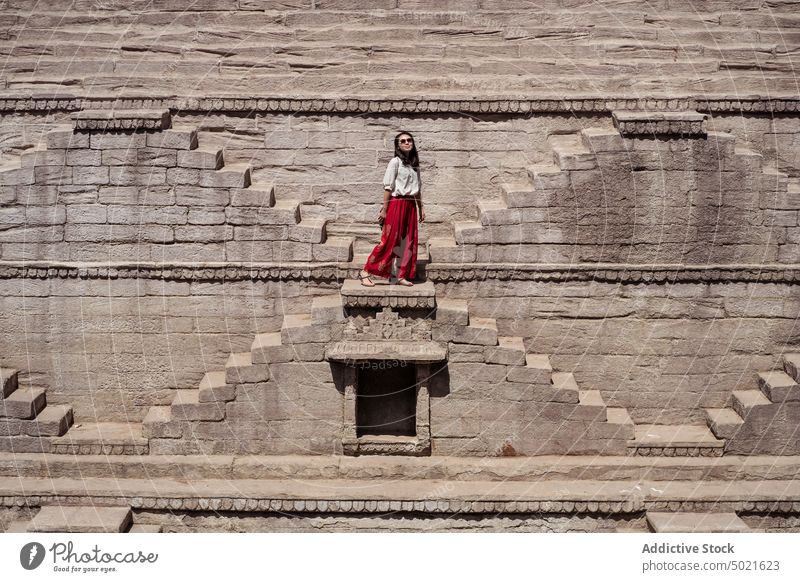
column 365, row 279
column 405, row 283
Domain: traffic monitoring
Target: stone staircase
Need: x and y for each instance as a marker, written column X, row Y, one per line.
column 763, row 420
column 26, row 421
column 216, row 206
column 260, row 402
column 654, row 48
column 579, row 207
column 197, row 413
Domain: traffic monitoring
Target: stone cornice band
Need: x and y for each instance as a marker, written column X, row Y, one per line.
column 439, row 273
column 505, row 105
column 440, row 506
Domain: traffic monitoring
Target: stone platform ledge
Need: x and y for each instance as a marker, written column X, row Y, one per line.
column 122, row 119
column 445, row 103
column 543, row 468
column 675, row 441
column 660, row 123
column 338, row 273
column 427, row 496
column 420, row 296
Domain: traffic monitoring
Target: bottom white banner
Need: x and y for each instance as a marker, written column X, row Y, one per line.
column 387, row 557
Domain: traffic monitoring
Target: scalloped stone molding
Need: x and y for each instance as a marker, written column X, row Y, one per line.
column 722, row 104
column 336, row 272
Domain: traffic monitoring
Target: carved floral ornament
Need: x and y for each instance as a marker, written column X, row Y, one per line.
column 387, row 325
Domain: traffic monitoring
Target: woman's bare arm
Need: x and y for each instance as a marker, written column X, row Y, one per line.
column 387, row 194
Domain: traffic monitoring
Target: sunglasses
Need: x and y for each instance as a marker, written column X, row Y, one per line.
column 405, row 141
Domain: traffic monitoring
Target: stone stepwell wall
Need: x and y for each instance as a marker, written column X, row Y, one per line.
column 112, row 347
column 113, row 196
column 464, row 47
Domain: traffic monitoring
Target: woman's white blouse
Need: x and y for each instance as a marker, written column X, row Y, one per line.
column 402, row 180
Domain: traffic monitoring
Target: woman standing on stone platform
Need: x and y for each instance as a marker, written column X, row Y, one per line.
column 402, row 196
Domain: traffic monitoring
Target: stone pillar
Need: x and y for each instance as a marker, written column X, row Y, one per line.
column 423, row 403
column 349, row 436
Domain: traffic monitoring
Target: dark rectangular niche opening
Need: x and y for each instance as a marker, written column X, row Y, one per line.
column 386, row 399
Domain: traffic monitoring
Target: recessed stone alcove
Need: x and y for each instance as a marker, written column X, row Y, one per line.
column 386, row 399
column 386, row 374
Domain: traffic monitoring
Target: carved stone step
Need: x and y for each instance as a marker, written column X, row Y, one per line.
column 268, row 348
column 598, row 140
column 447, row 250
column 215, row 388
column 695, row 522
column 178, row 138
column 23, row 403
column 744, row 401
column 309, row 230
column 569, row 153
column 537, row 370
column 723, row 422
column 52, row 421
column 257, row 194
column 791, row 365
column 509, row 351
column 8, row 382
column 547, row 177
column 240, row 369
column 466, row 232
column 497, row 212
column 230, row 176
column 327, row 309
column 452, row 312
column 285, row 212
column 591, row 401
column 159, row 423
column 334, row 249
column 520, row 196
column 186, row 405
column 76, row 519
column 201, row 158
column 480, row 331
column 778, row 386
column 621, row 417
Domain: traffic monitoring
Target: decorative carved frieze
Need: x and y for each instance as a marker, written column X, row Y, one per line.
column 103, row 120
column 335, row 273
column 484, row 505
column 512, row 106
column 669, row 451
column 660, row 123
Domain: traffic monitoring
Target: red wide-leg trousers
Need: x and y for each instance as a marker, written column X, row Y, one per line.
column 399, row 238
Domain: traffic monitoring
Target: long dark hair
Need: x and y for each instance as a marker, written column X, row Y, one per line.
column 412, row 157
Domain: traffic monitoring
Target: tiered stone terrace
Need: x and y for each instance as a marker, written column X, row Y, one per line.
column 612, row 193
column 546, row 47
